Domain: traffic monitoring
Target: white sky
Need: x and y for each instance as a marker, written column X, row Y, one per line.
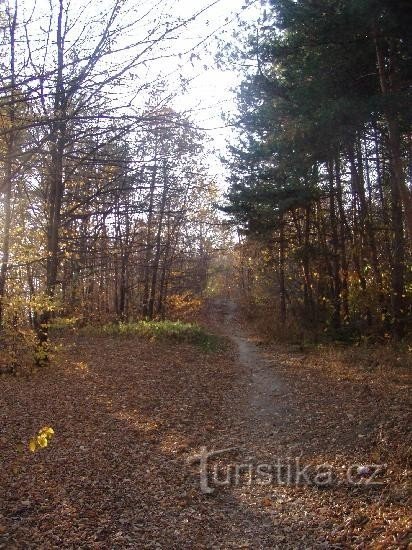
column 213, row 90
column 209, row 92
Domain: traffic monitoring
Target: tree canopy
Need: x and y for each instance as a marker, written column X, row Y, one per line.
column 321, row 168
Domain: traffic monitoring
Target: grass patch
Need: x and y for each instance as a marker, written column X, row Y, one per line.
column 160, row 330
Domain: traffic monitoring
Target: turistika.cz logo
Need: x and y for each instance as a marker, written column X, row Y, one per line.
column 214, row 471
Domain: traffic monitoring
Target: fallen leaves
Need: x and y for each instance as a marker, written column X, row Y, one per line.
column 42, row 439
column 128, row 415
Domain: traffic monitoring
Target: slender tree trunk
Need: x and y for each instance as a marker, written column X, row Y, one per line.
column 282, row 283
column 149, row 244
column 342, row 241
column 359, row 223
column 308, row 296
column 124, row 271
column 8, row 179
column 380, row 173
column 158, row 245
column 56, row 181
column 337, row 287
column 162, row 286
column 400, row 194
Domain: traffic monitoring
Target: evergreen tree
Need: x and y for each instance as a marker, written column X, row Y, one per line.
column 324, row 120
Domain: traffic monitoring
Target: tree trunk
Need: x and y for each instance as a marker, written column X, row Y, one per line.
column 337, row 287
column 56, row 182
column 8, row 179
column 400, row 194
column 156, row 259
column 282, row 285
column 149, row 245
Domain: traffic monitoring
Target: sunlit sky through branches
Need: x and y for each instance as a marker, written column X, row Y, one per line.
column 211, row 89
column 174, row 43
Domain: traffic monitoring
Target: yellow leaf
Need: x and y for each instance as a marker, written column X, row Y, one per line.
column 42, row 441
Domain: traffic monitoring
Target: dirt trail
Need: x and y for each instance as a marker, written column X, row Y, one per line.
column 130, row 414
column 262, row 405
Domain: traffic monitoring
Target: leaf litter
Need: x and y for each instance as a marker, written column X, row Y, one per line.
column 127, row 415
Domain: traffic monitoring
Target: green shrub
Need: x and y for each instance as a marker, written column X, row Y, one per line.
column 160, row 330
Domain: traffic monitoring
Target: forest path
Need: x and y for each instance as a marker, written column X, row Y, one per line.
column 265, row 387
column 133, row 418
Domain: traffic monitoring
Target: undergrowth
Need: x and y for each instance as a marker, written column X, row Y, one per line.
column 160, row 330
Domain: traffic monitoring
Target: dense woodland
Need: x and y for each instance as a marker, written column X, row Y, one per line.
column 322, row 172
column 202, row 346
column 108, row 212
column 106, row 209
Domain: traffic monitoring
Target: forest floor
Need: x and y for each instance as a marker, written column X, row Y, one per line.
column 134, row 420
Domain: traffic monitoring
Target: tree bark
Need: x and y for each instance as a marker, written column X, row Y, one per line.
column 400, row 194
column 56, row 181
column 8, row 180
